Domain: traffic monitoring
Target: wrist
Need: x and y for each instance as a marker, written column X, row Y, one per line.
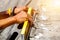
column 15, row 19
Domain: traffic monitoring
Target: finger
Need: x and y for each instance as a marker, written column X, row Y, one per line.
column 30, row 19
column 22, row 20
column 34, row 12
column 19, row 9
column 23, row 14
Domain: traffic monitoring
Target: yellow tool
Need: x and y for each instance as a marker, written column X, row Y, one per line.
column 9, row 11
column 25, row 28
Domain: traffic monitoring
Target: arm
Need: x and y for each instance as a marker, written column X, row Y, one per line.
column 3, row 15
column 19, row 18
column 6, row 22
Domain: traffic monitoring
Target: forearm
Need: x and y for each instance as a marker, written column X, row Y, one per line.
column 3, row 15
column 6, row 22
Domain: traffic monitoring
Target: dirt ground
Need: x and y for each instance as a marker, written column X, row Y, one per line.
column 47, row 25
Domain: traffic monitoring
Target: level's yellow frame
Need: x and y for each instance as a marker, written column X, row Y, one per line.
column 26, row 23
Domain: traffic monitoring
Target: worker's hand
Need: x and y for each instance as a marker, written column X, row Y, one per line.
column 22, row 16
column 24, row 8
column 19, row 9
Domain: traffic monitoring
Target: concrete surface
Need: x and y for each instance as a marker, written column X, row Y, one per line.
column 47, row 21
column 47, row 24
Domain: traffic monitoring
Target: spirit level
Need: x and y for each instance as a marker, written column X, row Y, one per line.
column 26, row 27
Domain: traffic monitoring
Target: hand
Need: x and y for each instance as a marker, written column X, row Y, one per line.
column 19, row 9
column 22, row 16
column 24, row 8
